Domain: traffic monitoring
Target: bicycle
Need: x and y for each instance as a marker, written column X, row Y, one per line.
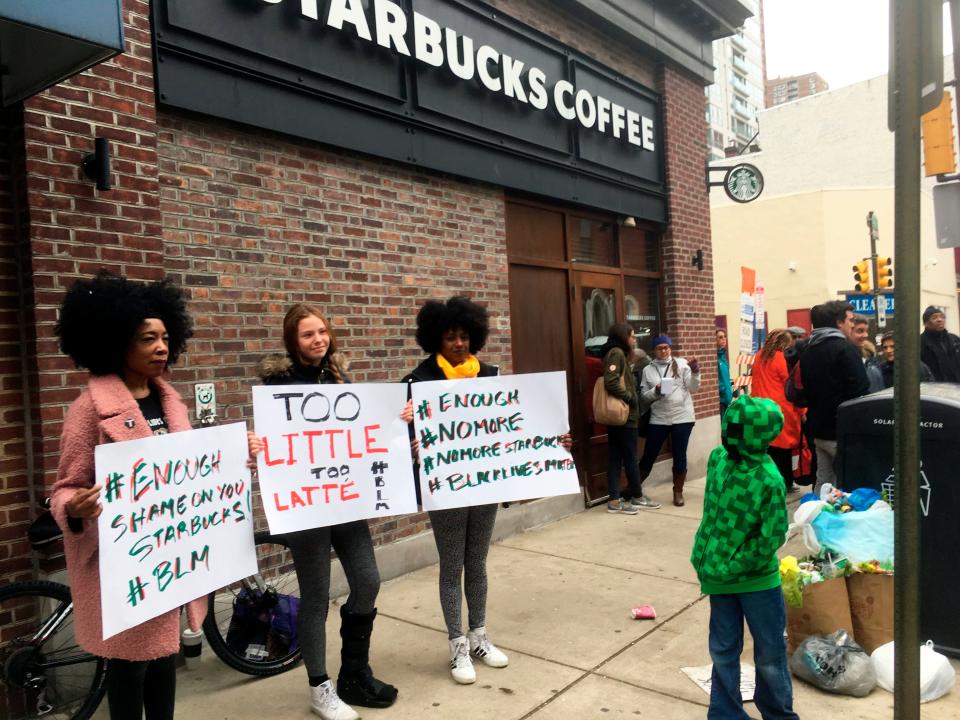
column 44, row 674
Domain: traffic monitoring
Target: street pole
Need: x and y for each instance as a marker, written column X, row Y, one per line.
column 875, row 289
column 906, row 24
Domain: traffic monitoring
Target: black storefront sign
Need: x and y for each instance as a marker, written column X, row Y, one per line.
column 449, row 85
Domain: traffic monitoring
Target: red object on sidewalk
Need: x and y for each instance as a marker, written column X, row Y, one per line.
column 644, row 612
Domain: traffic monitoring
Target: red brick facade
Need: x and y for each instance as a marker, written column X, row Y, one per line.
column 688, row 292
column 249, row 222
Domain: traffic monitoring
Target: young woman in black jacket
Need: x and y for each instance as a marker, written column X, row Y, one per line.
column 312, row 357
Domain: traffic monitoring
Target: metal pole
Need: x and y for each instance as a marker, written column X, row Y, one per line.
column 875, row 285
column 906, row 25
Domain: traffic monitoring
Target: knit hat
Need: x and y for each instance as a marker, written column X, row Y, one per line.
column 797, row 331
column 930, row 312
column 662, row 340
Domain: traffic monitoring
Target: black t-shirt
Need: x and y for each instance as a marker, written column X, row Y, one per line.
column 153, row 412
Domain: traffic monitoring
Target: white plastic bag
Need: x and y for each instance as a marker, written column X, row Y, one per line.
column 803, row 518
column 937, row 676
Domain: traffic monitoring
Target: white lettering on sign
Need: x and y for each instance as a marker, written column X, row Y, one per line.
column 437, row 46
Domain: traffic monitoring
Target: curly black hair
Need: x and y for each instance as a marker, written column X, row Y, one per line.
column 435, row 318
column 99, row 319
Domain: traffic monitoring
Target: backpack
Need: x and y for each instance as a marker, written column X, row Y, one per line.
column 793, row 387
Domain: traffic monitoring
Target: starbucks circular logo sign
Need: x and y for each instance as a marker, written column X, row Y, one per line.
column 743, row 183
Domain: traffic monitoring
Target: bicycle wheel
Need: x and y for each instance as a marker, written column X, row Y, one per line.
column 43, row 673
column 251, row 624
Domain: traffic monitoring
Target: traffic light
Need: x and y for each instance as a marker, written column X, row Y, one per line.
column 884, row 272
column 861, row 276
column 938, row 155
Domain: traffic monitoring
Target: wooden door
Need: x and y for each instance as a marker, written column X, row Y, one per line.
column 799, row 318
column 598, row 304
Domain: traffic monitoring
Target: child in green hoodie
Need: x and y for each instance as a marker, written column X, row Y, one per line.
column 735, row 554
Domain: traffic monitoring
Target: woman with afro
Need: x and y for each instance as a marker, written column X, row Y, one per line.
column 126, row 334
column 452, row 332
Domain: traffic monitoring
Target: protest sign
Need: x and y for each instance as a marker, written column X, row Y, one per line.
column 494, row 439
column 332, row 454
column 177, row 521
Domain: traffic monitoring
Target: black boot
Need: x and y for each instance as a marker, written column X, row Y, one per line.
column 356, row 684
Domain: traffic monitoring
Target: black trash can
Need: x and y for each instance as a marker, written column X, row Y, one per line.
column 865, row 437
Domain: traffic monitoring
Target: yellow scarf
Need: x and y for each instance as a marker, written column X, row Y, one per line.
column 469, row 368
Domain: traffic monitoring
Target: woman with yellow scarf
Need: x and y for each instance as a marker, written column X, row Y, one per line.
column 452, row 332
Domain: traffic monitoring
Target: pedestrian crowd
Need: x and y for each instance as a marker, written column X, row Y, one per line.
column 127, row 334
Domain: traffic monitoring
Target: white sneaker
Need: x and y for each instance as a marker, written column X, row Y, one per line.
column 325, row 702
column 461, row 667
column 482, row 648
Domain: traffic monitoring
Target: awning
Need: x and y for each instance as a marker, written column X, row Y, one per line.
column 43, row 42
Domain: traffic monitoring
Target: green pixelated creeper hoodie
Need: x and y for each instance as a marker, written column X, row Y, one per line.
column 744, row 511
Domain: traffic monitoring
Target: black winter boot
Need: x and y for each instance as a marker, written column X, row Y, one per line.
column 356, row 684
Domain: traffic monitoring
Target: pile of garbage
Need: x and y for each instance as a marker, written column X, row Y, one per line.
column 856, row 526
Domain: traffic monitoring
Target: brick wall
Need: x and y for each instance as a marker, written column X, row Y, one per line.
column 688, row 292
column 253, row 223
column 74, row 230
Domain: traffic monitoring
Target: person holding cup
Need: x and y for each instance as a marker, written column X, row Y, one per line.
column 667, row 386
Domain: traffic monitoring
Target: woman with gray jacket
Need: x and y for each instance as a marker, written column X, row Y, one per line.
column 667, row 386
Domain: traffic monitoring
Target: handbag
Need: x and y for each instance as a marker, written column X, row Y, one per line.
column 607, row 409
column 801, row 460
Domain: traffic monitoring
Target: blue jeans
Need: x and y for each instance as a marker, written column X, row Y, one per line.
column 622, row 450
column 766, row 618
column 656, row 436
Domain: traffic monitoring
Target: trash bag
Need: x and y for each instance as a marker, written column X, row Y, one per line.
column 834, row 663
column 937, row 676
column 858, row 536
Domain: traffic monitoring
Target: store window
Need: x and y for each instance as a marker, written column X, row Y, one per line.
column 592, row 241
column 642, row 302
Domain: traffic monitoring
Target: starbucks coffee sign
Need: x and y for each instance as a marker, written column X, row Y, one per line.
column 449, row 85
column 469, row 59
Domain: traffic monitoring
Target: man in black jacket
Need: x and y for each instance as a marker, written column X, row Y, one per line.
column 939, row 349
column 832, row 371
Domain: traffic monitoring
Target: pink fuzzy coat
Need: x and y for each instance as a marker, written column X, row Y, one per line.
column 104, row 413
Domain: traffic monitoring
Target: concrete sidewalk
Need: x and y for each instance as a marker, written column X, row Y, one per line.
column 559, row 606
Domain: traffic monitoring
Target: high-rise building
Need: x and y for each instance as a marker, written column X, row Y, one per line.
column 735, row 97
column 780, row 90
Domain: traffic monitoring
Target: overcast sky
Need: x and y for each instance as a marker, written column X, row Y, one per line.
column 843, row 40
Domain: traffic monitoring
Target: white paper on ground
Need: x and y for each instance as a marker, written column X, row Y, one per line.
column 701, row 676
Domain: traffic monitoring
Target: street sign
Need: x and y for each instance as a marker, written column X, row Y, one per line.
column 865, row 305
column 946, row 213
column 743, row 183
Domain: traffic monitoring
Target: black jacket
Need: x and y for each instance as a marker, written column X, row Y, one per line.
column 283, row 370
column 430, row 370
column 940, row 350
column 832, row 371
column 886, row 369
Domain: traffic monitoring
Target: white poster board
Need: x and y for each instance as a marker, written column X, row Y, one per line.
column 177, row 521
column 332, row 454
column 491, row 440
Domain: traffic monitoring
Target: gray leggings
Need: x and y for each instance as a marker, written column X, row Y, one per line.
column 311, row 559
column 463, row 539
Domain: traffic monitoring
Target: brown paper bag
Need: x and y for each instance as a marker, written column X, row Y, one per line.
column 871, row 607
column 826, row 609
